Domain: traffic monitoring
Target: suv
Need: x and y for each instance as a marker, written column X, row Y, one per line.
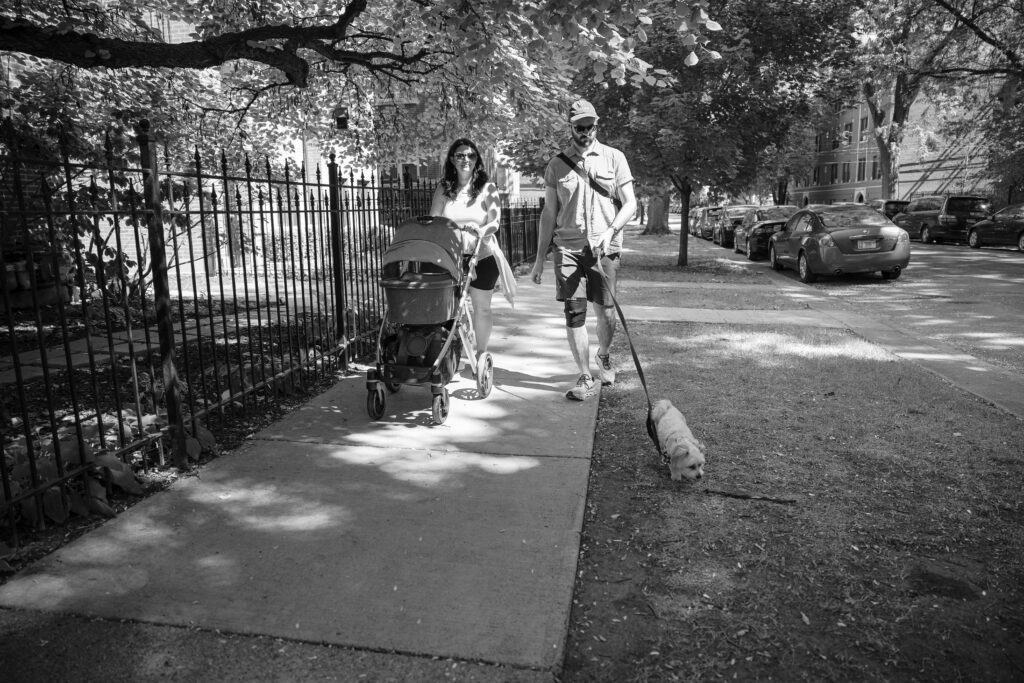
column 889, row 207
column 943, row 217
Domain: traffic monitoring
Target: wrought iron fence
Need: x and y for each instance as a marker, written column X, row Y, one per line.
column 145, row 307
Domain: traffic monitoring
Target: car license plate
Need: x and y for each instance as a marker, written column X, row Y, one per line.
column 867, row 244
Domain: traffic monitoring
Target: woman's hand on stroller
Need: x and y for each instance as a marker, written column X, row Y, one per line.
column 480, row 231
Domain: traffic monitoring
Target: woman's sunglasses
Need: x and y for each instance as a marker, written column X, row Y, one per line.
column 468, row 156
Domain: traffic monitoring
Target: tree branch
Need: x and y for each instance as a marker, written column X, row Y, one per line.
column 277, row 46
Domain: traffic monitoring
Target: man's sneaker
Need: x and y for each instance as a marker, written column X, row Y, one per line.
column 584, row 389
column 605, row 372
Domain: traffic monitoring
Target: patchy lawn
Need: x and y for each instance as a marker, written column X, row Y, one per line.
column 845, row 530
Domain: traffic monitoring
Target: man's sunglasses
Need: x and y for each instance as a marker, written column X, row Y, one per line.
column 468, row 156
column 584, row 129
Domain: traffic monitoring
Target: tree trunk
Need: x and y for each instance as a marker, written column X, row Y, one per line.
column 641, row 210
column 657, row 216
column 682, row 185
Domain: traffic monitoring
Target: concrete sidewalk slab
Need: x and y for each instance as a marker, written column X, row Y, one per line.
column 433, row 553
column 454, row 540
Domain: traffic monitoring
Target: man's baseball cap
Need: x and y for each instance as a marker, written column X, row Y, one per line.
column 581, row 109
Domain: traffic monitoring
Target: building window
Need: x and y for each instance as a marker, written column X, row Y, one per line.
column 816, row 176
column 817, row 142
column 876, row 171
column 833, row 173
column 846, row 171
column 848, row 133
column 863, row 128
column 835, row 139
column 861, row 168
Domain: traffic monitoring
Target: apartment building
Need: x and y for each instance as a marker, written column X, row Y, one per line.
column 847, row 168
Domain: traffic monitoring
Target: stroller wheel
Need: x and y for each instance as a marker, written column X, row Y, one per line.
column 376, row 402
column 484, row 374
column 393, row 387
column 440, row 407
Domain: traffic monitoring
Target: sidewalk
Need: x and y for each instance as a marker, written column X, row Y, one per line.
column 452, row 541
column 358, row 550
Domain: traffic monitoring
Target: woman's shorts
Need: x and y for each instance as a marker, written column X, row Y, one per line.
column 577, row 277
column 486, row 273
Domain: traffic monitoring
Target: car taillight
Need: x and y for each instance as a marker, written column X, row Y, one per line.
column 947, row 220
column 904, row 236
column 826, row 241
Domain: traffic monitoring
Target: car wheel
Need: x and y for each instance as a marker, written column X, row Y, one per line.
column 974, row 239
column 804, row 270
column 773, row 259
column 926, row 236
column 891, row 274
column 750, row 254
column 1020, row 241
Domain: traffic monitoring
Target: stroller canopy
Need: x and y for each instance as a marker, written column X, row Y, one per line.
column 428, row 239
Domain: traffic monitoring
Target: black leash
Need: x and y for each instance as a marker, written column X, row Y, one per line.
column 652, row 430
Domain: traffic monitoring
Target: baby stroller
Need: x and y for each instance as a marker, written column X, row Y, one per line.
column 427, row 323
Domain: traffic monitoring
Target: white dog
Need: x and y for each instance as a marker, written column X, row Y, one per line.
column 679, row 449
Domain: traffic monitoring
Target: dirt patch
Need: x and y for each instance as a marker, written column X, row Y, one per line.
column 885, row 543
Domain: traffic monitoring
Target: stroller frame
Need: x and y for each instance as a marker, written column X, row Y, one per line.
column 415, row 344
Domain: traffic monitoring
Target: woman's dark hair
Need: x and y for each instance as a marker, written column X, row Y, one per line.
column 450, row 179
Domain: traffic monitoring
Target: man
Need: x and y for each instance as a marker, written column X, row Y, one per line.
column 588, row 199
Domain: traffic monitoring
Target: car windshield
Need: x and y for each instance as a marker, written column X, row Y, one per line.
column 969, row 204
column 839, row 217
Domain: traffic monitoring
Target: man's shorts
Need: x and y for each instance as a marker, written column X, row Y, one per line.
column 577, row 277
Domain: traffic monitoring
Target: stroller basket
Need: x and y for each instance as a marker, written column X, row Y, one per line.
column 420, row 298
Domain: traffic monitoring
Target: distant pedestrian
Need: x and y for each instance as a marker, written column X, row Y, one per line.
column 466, row 197
column 588, row 199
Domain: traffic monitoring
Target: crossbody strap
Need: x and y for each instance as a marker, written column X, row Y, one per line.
column 583, row 174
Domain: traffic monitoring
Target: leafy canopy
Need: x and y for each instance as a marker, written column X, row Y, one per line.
column 492, row 66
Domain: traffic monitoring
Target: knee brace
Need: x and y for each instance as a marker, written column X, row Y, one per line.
column 575, row 312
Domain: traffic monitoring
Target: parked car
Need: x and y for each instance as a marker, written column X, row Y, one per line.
column 1004, row 228
column 888, row 207
column 691, row 219
column 836, row 239
column 706, row 221
column 722, row 233
column 752, row 234
column 936, row 218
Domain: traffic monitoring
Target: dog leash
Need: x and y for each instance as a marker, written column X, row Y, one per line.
column 652, row 429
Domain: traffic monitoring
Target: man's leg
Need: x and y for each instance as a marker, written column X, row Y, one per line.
column 606, row 322
column 579, row 338
column 601, row 289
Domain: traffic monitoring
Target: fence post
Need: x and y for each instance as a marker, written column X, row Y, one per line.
column 337, row 231
column 161, row 292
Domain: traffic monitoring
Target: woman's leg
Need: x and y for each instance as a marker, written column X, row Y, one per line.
column 481, row 299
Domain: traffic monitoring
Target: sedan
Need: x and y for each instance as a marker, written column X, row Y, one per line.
column 732, row 216
column 1005, row 228
column 836, row 239
column 752, row 235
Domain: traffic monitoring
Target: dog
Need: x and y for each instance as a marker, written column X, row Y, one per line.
column 679, row 449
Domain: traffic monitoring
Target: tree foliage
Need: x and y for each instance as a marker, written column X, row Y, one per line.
column 262, row 71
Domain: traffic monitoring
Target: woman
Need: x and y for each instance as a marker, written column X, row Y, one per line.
column 465, row 197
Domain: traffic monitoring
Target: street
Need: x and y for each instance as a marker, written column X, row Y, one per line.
column 970, row 299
